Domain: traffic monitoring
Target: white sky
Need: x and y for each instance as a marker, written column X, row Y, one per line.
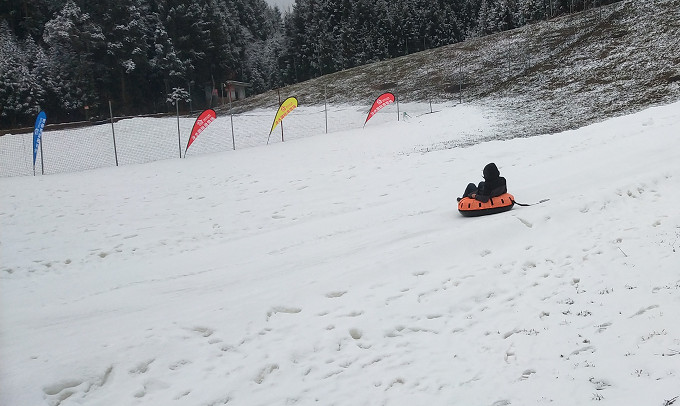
column 283, row 4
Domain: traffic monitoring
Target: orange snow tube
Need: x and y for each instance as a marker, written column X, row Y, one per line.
column 469, row 207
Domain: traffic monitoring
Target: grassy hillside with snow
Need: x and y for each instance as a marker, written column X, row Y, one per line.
column 550, row 76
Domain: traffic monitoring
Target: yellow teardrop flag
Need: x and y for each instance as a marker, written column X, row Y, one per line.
column 286, row 107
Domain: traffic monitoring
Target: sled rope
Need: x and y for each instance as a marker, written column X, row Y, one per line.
column 532, row 204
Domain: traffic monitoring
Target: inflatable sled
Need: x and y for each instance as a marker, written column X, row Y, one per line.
column 469, row 207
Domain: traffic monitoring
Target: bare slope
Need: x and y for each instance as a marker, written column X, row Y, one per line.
column 549, row 76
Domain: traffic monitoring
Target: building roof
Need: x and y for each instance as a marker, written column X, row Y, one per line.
column 235, row 83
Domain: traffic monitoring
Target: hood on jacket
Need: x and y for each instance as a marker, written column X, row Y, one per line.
column 491, row 172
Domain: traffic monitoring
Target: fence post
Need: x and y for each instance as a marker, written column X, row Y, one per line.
column 113, row 132
column 325, row 104
column 396, row 97
column 460, row 83
column 23, row 144
column 430, row 92
column 42, row 159
column 179, row 138
column 231, row 117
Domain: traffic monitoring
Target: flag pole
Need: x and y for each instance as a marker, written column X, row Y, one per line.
column 279, row 92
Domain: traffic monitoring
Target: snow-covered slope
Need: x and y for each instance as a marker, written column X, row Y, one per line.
column 336, row 270
column 547, row 77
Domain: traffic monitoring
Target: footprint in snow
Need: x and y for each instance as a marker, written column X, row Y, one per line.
column 265, row 372
column 525, row 222
column 282, row 309
column 142, row 367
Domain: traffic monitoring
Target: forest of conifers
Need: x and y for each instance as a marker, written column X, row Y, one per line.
column 62, row 55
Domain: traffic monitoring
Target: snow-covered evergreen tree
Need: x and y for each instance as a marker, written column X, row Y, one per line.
column 72, row 38
column 18, row 87
column 62, row 55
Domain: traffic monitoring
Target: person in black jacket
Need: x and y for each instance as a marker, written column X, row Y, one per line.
column 493, row 185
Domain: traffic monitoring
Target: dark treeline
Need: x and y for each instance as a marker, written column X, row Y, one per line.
column 63, row 55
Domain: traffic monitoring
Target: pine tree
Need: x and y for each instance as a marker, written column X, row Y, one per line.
column 71, row 38
column 17, row 85
column 530, row 11
column 164, row 63
column 128, row 26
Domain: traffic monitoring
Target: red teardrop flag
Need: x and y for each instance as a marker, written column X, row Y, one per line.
column 200, row 124
column 382, row 101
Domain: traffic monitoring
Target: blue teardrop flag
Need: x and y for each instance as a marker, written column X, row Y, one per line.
column 37, row 134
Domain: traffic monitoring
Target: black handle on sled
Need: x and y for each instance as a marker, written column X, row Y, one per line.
column 532, row 204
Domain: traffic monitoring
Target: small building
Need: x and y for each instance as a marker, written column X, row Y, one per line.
column 235, row 90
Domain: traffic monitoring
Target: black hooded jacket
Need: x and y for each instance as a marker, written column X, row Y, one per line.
column 493, row 185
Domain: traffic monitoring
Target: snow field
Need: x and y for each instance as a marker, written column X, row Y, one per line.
column 336, row 270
